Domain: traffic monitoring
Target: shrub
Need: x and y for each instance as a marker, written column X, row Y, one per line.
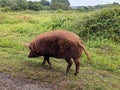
column 103, row 23
column 5, row 9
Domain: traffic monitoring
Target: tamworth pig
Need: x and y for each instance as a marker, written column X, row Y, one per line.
column 58, row 44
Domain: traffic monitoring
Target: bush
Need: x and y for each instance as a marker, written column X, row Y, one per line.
column 5, row 9
column 103, row 23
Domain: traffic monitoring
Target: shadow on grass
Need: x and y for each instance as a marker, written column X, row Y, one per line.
column 35, row 66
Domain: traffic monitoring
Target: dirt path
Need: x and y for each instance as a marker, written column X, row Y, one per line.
column 8, row 82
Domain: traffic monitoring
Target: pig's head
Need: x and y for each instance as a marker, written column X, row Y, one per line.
column 33, row 53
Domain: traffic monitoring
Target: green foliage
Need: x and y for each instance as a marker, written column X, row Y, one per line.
column 45, row 7
column 35, row 6
column 15, row 5
column 103, row 23
column 5, row 9
column 21, row 5
column 60, row 4
column 66, row 2
column 100, row 23
column 9, row 3
column 10, row 42
column 58, row 21
column 92, row 8
column 6, row 3
column 44, row 3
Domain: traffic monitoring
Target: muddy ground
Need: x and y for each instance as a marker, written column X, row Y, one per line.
column 8, row 82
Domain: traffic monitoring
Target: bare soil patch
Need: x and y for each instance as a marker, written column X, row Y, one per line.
column 8, row 82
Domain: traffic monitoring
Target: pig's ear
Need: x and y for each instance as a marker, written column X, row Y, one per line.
column 27, row 45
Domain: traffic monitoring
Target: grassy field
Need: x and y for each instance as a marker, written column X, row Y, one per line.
column 17, row 28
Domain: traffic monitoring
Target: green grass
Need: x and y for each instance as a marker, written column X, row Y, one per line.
column 17, row 28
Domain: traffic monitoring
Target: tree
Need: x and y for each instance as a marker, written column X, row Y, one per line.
column 66, row 2
column 115, row 3
column 60, row 4
column 22, row 4
column 9, row 3
column 35, row 6
column 15, row 4
column 44, row 3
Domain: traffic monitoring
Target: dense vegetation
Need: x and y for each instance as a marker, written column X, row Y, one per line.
column 20, row 5
column 100, row 31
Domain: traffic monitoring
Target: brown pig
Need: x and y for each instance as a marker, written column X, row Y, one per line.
column 59, row 44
